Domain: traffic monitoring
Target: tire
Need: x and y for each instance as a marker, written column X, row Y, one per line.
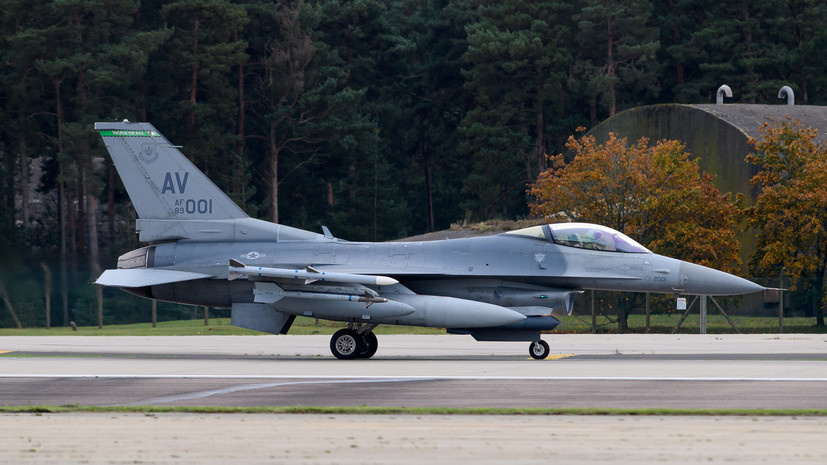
column 346, row 344
column 370, row 344
column 539, row 349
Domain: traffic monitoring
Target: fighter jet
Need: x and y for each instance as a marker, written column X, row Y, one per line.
column 204, row 250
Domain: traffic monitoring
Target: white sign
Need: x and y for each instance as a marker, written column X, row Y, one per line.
column 681, row 303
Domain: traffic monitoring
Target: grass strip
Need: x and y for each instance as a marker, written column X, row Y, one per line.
column 369, row 410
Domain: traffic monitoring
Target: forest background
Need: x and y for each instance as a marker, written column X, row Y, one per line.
column 378, row 118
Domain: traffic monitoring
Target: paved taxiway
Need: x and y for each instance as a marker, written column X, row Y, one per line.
column 619, row 371
column 749, row 371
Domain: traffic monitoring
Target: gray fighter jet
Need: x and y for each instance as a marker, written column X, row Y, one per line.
column 509, row 287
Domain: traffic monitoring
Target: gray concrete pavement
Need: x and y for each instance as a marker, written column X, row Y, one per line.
column 621, row 371
column 401, row 392
column 428, row 345
column 440, row 371
column 405, row 439
column 633, row 368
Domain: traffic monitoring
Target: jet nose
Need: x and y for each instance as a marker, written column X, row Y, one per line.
column 700, row 280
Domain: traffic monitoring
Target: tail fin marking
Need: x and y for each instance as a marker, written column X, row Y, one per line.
column 161, row 182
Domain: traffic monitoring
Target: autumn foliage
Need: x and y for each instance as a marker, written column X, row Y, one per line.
column 655, row 194
column 790, row 213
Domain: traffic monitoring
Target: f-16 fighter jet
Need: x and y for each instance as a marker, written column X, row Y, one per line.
column 508, row 287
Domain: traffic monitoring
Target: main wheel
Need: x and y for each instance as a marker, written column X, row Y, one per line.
column 539, row 349
column 370, row 344
column 346, row 344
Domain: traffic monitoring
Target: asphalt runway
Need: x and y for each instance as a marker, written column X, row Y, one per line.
column 620, row 371
column 745, row 371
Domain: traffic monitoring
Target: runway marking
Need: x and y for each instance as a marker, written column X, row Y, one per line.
column 371, row 378
column 250, row 387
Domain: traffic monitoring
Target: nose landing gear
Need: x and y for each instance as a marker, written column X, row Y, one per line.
column 539, row 349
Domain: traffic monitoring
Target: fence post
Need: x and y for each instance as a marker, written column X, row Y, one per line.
column 781, row 301
column 703, row 314
column 594, row 319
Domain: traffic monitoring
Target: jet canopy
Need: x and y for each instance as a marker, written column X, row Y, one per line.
column 584, row 236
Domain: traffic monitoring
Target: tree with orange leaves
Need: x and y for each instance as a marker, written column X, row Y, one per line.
column 655, row 194
column 791, row 210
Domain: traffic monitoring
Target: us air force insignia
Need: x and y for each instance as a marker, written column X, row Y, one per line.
column 540, row 257
column 148, row 153
column 254, row 255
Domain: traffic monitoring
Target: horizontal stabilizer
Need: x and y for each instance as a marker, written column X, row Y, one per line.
column 140, row 277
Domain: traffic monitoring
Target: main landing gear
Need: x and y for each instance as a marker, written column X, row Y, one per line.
column 358, row 341
column 355, row 341
column 539, row 349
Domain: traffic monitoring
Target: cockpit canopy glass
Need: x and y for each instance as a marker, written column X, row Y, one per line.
column 594, row 237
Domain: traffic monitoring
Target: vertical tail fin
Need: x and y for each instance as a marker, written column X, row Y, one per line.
column 161, row 182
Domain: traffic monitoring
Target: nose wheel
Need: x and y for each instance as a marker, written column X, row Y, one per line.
column 539, row 349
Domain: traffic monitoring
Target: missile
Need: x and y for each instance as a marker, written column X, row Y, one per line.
column 308, row 275
column 336, row 306
column 268, row 293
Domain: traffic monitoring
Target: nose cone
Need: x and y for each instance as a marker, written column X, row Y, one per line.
column 700, row 280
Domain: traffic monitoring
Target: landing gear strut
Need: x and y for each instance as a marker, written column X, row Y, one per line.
column 355, row 341
column 539, row 349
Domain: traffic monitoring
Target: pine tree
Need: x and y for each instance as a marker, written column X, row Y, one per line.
column 200, row 98
column 616, row 55
column 736, row 47
column 518, row 59
column 798, row 36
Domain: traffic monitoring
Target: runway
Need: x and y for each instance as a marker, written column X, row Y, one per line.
column 586, row 371
column 754, row 372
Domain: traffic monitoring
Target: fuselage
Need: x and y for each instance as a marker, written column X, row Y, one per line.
column 441, row 267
